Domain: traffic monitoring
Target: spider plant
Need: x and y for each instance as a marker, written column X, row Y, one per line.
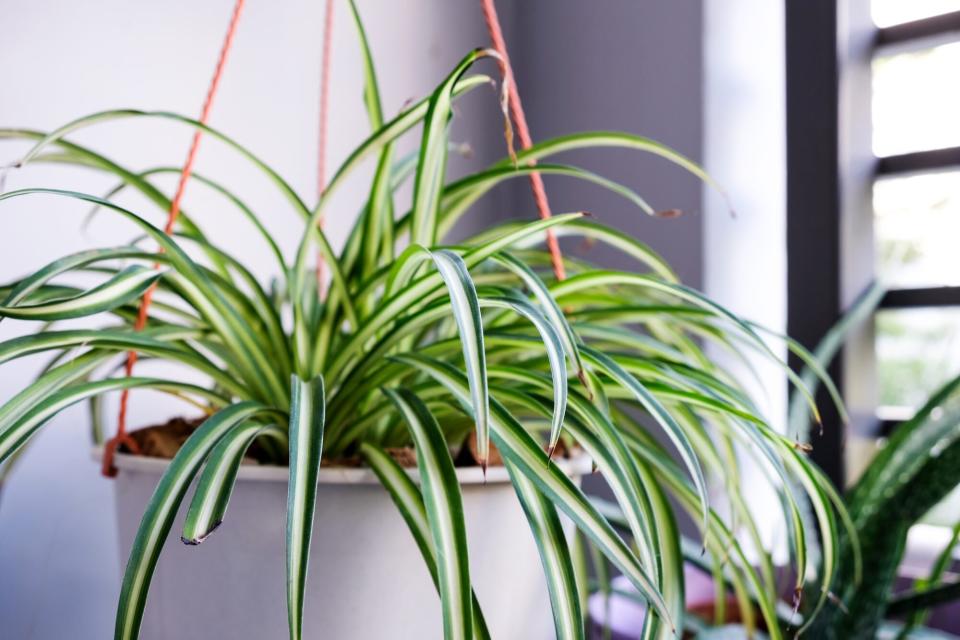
column 914, row 471
column 415, row 338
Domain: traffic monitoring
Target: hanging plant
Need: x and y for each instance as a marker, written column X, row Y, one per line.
column 424, row 344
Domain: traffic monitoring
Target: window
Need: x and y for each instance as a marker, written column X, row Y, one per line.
column 916, row 206
column 916, row 200
column 877, row 197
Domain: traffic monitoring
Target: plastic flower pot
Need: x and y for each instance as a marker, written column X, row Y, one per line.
column 367, row 578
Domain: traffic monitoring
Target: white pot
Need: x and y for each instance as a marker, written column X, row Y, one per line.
column 367, row 578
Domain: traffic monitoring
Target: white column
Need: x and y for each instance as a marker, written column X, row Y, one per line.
column 745, row 150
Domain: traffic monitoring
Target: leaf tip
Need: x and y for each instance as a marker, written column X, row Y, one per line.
column 582, row 376
column 797, row 598
column 669, row 213
column 198, row 540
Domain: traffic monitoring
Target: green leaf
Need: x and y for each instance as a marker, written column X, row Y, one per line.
column 389, row 132
column 646, row 512
column 931, row 589
column 371, row 89
column 77, row 155
column 258, row 368
column 20, row 422
column 160, row 342
column 554, row 555
column 419, row 290
column 54, row 378
column 555, row 354
column 162, row 509
column 49, row 382
column 917, row 468
column 659, row 413
column 185, row 222
column 922, row 599
column 444, row 505
column 551, row 309
column 458, row 196
column 519, row 447
column 409, row 501
column 41, row 277
column 215, row 486
column 612, row 139
column 914, row 444
column 129, row 284
column 823, row 354
column 600, row 278
column 589, row 231
column 56, row 137
column 722, row 542
column 431, row 167
column 466, row 311
column 307, row 410
column 378, row 216
column 340, row 293
column 601, row 440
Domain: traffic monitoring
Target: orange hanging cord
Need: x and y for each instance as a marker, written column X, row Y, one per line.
column 523, row 131
column 122, row 437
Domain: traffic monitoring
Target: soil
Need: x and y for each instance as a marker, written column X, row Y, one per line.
column 164, row 440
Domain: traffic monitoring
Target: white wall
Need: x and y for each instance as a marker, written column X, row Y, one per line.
column 62, row 60
column 745, row 261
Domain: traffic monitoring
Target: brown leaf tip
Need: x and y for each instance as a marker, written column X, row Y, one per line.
column 669, row 213
column 195, row 542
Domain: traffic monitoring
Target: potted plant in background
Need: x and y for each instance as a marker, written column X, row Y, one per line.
column 914, row 471
column 439, row 353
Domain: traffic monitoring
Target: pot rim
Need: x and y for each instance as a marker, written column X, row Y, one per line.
column 579, row 465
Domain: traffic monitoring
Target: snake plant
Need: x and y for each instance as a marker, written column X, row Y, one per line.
column 917, row 468
column 422, row 342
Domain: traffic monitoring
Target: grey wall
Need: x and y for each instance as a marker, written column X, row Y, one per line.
column 631, row 65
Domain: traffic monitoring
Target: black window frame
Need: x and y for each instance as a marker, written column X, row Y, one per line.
column 830, row 45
